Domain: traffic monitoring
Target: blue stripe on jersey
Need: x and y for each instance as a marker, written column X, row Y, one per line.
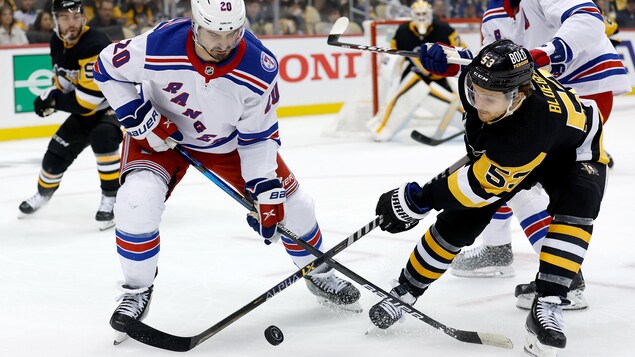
column 589, row 65
column 245, row 83
column 494, row 4
column 169, row 39
column 250, row 138
column 215, row 143
column 493, row 17
column 597, row 77
column 168, row 68
column 251, row 62
column 102, row 75
column 595, row 14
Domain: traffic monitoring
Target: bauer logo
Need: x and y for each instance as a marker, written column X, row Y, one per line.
column 32, row 75
column 268, row 63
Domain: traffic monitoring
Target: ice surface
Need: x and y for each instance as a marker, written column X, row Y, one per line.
column 58, row 272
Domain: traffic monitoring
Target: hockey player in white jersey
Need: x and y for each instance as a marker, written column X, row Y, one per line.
column 210, row 85
column 568, row 37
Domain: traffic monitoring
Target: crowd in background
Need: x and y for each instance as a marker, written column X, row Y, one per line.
column 30, row 21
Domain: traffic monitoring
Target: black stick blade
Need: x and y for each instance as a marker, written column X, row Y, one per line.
column 153, row 337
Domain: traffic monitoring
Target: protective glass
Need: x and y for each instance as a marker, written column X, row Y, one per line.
column 483, row 99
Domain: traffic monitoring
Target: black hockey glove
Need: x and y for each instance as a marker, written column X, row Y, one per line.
column 398, row 209
column 44, row 105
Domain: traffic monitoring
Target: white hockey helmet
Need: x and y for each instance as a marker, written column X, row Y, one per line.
column 217, row 16
column 421, row 12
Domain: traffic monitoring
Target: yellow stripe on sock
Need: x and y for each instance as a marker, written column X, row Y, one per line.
column 560, row 262
column 570, row 231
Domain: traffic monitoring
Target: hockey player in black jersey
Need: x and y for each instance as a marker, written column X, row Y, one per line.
column 522, row 128
column 412, row 84
column 74, row 50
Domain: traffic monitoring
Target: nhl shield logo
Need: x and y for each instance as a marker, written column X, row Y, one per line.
column 268, row 63
column 209, row 70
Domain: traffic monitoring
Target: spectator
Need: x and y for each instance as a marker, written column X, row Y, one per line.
column 10, row 3
column 139, row 16
column 10, row 33
column 255, row 17
column 105, row 21
column 626, row 18
column 26, row 14
column 439, row 9
column 42, row 28
column 470, row 9
column 293, row 13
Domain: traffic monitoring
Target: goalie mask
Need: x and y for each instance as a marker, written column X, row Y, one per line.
column 218, row 26
column 69, row 19
column 421, row 13
column 495, row 76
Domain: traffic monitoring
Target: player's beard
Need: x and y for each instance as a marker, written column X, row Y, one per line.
column 72, row 34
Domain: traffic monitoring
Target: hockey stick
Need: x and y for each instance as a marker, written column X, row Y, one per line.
column 153, row 337
column 424, row 139
column 342, row 23
column 461, row 335
column 150, row 336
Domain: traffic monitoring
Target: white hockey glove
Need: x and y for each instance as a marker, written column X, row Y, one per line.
column 269, row 197
column 398, row 209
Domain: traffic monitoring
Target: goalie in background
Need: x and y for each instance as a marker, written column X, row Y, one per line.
column 412, row 83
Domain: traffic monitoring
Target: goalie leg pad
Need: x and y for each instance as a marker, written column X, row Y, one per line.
column 395, row 113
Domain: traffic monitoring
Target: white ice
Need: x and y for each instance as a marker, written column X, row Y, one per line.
column 58, row 272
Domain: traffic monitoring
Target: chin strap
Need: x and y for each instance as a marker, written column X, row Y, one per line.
column 510, row 110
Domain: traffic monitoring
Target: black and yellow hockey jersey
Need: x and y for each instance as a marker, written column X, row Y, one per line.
column 550, row 131
column 73, row 72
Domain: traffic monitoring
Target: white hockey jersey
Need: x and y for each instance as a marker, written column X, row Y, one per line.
column 217, row 107
column 595, row 68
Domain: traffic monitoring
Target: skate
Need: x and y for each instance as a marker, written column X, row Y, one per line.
column 526, row 293
column 33, row 204
column 545, row 326
column 384, row 314
column 333, row 291
column 134, row 304
column 105, row 217
column 484, row 262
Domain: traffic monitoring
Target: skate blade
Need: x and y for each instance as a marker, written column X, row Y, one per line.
column 489, row 272
column 578, row 301
column 535, row 348
column 119, row 337
column 355, row 307
column 104, row 225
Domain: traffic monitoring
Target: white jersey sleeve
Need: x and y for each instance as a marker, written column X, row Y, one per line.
column 496, row 24
column 580, row 23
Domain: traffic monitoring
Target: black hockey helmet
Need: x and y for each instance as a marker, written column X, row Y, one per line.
column 62, row 5
column 501, row 66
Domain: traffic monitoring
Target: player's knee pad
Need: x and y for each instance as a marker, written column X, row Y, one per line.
column 140, row 202
column 398, row 109
column 300, row 211
column 54, row 163
column 105, row 138
column 528, row 202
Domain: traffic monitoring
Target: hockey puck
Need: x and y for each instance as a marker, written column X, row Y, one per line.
column 274, row 335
